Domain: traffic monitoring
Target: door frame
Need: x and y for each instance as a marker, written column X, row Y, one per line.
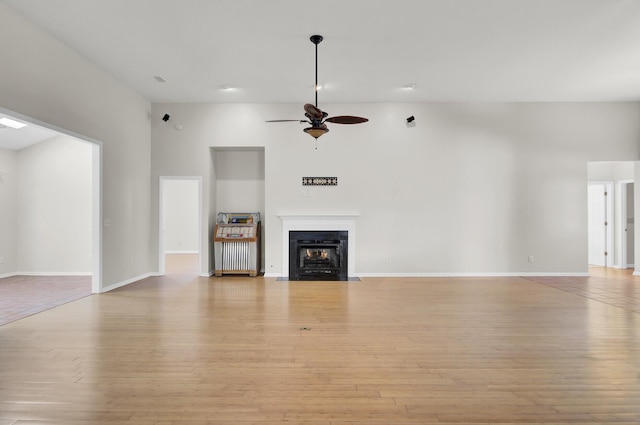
column 96, row 192
column 610, row 219
column 622, row 228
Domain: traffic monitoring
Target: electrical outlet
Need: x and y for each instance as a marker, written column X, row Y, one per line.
column 531, row 259
column 1, row 260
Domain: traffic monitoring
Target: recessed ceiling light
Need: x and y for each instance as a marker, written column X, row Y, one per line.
column 159, row 79
column 409, row 86
column 11, row 123
column 226, row 87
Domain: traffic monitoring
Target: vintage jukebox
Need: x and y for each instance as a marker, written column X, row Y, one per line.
column 236, row 244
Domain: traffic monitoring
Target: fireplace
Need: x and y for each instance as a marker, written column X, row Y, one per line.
column 317, row 222
column 318, row 255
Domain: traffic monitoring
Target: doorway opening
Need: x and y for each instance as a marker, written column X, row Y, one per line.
column 611, row 227
column 180, row 225
column 54, row 220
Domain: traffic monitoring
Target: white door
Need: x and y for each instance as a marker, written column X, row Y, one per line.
column 628, row 236
column 598, row 224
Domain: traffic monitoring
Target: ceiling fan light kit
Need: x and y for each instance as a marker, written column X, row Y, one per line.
column 316, row 117
column 315, row 132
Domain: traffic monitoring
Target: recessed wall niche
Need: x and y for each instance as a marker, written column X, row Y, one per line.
column 238, row 181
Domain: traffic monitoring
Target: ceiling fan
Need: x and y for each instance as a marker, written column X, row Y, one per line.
column 317, row 117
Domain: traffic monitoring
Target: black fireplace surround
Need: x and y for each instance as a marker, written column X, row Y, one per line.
column 318, row 255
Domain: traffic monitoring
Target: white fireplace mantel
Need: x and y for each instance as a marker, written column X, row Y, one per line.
column 344, row 222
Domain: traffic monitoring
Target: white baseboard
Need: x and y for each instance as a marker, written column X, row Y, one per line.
column 496, row 274
column 8, row 275
column 127, row 282
column 52, row 274
column 522, row 274
column 181, row 252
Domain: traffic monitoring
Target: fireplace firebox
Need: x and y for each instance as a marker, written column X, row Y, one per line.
column 318, row 255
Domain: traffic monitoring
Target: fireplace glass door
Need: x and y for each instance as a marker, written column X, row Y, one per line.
column 318, row 255
column 318, row 259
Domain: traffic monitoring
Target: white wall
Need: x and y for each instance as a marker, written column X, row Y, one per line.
column 54, row 204
column 47, row 81
column 472, row 189
column 180, row 202
column 239, row 180
column 610, row 171
column 8, row 211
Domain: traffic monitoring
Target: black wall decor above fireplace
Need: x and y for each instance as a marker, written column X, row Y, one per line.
column 318, row 255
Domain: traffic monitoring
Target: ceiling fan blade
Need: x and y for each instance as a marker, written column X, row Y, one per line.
column 346, row 119
column 313, row 111
column 286, row 121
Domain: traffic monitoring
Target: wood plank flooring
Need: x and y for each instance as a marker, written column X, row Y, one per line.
column 181, row 349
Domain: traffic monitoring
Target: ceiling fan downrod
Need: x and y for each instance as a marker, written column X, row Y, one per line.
column 316, row 39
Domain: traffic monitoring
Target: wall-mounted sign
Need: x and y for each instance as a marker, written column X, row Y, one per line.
column 319, row 181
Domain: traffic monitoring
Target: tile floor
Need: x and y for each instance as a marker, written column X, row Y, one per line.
column 615, row 287
column 22, row 296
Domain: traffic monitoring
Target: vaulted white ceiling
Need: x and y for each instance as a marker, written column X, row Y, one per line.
column 451, row 50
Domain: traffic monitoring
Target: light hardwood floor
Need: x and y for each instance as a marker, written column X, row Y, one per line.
column 181, row 349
